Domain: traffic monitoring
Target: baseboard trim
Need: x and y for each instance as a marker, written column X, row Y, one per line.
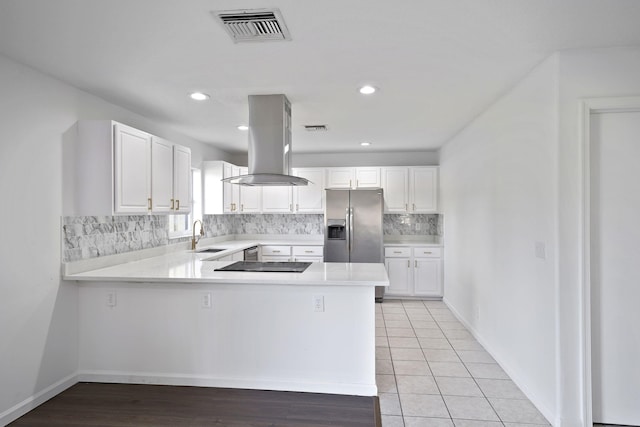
column 37, row 399
column 549, row 415
column 203, row 381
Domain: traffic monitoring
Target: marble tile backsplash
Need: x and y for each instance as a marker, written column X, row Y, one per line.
column 413, row 225
column 279, row 224
column 94, row 236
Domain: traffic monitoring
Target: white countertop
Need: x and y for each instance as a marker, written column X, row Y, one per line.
column 189, row 267
column 390, row 240
column 176, row 265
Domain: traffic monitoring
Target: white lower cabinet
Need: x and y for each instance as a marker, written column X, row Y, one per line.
column 399, row 271
column 307, row 253
column 283, row 253
column 414, row 271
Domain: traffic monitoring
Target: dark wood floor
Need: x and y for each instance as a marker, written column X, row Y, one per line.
column 92, row 404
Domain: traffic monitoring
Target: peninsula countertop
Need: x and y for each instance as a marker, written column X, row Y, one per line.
column 193, row 267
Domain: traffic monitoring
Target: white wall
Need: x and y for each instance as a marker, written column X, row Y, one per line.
column 364, row 158
column 583, row 74
column 498, row 190
column 38, row 312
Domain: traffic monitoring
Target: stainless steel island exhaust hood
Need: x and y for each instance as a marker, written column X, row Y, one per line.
column 269, row 144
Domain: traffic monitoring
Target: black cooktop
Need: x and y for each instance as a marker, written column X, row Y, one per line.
column 267, row 267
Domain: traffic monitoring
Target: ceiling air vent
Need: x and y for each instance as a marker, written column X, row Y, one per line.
column 253, row 25
column 315, row 128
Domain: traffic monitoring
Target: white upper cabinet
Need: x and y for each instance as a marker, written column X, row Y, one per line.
column 250, row 197
column 340, row 177
column 132, row 170
column 231, row 192
column 309, row 198
column 220, row 197
column 276, row 199
column 360, row 177
column 395, row 183
column 423, row 189
column 367, row 177
column 162, row 176
column 181, row 179
column 114, row 169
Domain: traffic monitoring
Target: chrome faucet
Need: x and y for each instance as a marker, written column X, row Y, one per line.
column 194, row 242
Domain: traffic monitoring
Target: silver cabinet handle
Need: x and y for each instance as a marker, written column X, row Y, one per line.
column 397, row 252
column 308, row 252
column 415, row 263
column 276, row 252
column 427, row 253
column 414, row 207
column 408, row 263
column 406, row 207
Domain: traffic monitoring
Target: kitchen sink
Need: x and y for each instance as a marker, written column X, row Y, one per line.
column 210, row 250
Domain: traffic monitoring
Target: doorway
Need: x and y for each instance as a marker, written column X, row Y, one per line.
column 614, row 268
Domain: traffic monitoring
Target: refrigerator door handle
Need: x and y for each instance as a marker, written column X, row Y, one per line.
column 351, row 230
column 347, row 221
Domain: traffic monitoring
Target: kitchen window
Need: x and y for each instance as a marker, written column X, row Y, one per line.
column 182, row 225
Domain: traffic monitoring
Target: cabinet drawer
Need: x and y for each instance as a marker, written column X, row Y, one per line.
column 276, row 250
column 427, row 252
column 274, row 258
column 395, row 252
column 308, row 250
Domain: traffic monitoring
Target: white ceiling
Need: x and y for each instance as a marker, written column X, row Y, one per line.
column 438, row 63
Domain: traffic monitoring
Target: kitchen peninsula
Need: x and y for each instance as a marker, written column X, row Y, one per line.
column 173, row 319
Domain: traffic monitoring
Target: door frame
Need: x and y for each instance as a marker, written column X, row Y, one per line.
column 587, row 108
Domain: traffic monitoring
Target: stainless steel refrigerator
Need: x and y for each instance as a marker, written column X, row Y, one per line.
column 353, row 227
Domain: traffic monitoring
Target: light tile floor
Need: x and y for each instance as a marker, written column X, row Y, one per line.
column 431, row 372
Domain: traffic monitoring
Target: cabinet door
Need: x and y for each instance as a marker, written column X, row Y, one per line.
column 277, row 199
column 427, row 278
column 310, row 198
column 340, row 177
column 423, row 188
column 161, row 176
column 367, row 177
column 395, row 186
column 132, row 177
column 230, row 192
column 399, row 271
column 250, row 197
column 182, row 179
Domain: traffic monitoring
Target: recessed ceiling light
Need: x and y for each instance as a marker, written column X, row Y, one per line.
column 365, row 144
column 199, row 96
column 243, row 127
column 367, row 90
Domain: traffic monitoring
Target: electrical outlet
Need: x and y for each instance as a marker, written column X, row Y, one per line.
column 206, row 300
column 112, row 299
column 541, row 250
column 318, row 303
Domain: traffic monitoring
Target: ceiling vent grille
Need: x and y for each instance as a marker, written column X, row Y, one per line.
column 253, row 25
column 315, row 128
